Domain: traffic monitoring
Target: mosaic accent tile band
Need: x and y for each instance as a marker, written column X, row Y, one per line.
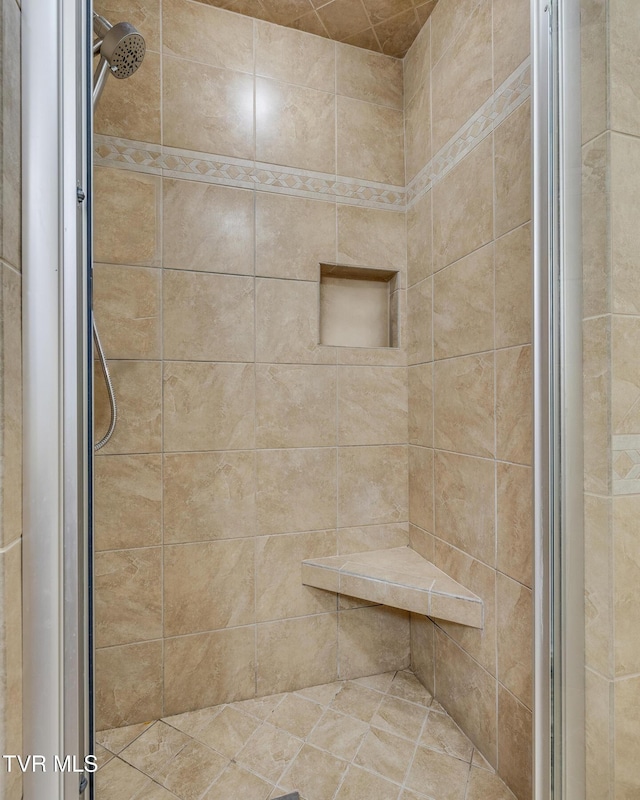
column 626, row 464
column 172, row 162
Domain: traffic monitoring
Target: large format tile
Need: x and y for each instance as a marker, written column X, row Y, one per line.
column 515, row 638
column 513, row 170
column 514, row 288
column 290, row 56
column 372, row 640
column 368, row 76
column 372, row 485
column 439, row 774
column 372, row 405
column 514, row 405
column 511, row 37
column 515, row 744
column 371, row 237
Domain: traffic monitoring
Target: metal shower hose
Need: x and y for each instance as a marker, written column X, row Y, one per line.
column 112, row 396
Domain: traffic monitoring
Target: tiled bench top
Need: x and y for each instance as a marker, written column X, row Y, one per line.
column 397, row 577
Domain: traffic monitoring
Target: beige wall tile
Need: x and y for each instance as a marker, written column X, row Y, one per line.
column 119, row 197
column 463, row 207
column 596, row 344
column 513, row 170
column 421, row 541
column 462, row 79
column 515, row 745
column 464, row 500
column 128, row 501
column 599, row 599
column 624, row 29
column 369, row 237
column 10, row 159
column 372, row 640
column 295, row 405
column 207, row 317
column 208, row 406
column 418, row 135
column 463, row 305
column 279, row 591
column 419, row 240
column 295, row 126
column 447, row 21
column 294, row 653
column 515, row 638
column 293, row 236
column 144, row 14
column 419, row 322
column 397, row 33
column 138, row 388
column 372, row 485
column 128, row 684
column 208, row 496
column 464, row 405
column 513, row 288
column 627, row 740
column 625, row 236
column 511, row 37
column 130, row 108
column 127, row 300
column 11, row 662
column 594, row 40
column 372, row 405
column 128, row 596
column 599, row 746
column 206, row 227
column 417, row 62
column 296, row 490
column 202, row 33
column 287, row 325
column 356, row 313
column 626, row 512
column 230, row 131
column 370, row 141
column 596, row 260
column 468, row 693
column 515, row 521
column 514, row 405
column 208, row 586
column 372, row 537
column 421, row 405
column 423, row 650
column 368, row 76
column 421, row 487
column 293, row 57
column 208, row 668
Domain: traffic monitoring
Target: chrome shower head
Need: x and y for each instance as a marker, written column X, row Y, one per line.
column 121, row 49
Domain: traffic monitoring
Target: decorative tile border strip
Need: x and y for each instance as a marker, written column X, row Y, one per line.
column 626, row 464
column 110, row 151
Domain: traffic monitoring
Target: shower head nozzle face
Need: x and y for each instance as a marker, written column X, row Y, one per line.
column 124, row 48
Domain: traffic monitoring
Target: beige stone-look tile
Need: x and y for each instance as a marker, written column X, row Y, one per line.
column 594, row 40
column 368, row 76
column 372, row 485
column 397, row 33
column 421, row 405
column 372, row 405
column 208, row 406
column 464, row 504
column 366, row 39
column 447, row 21
column 627, row 694
column 438, row 774
column 201, row 33
column 296, row 490
column 357, row 700
column 294, row 236
column 515, row 521
column 462, row 80
column 129, row 684
column 421, row 541
column 372, row 537
column 596, row 350
column 400, row 717
column 598, row 714
column 283, row 12
column 386, row 754
column 419, row 240
column 596, row 260
column 598, row 571
column 515, row 746
column 128, row 596
column 284, row 665
column 260, row 707
column 515, row 638
column 118, row 780
column 295, row 126
column 226, row 730
column 138, row 390
column 464, row 405
column 268, row 752
column 626, row 512
column 371, row 237
column 343, row 18
column 103, row 757
column 372, row 640
column 116, row 739
column 127, row 305
column 323, row 694
column 417, row 62
column 625, row 384
column 408, row 687
column 511, row 37
column 624, row 26
column 130, row 109
column 279, row 592
column 122, row 196
column 370, row 141
column 421, row 500
column 128, row 501
column 149, row 752
column 208, row 668
column 419, row 315
column 359, row 783
column 459, row 679
column 207, row 228
column 238, row 782
column 340, row 735
column 287, row 323
column 513, row 170
column 292, row 57
column 442, row 734
column 514, row 405
column 207, row 317
column 418, row 138
column 208, row 586
column 513, row 288
column 483, row 784
column 295, row 405
column 463, row 207
column 208, row 496
column 463, row 303
column 380, row 682
column 221, row 122
column 143, row 14
column 11, row 163
column 314, row 773
column 296, row 715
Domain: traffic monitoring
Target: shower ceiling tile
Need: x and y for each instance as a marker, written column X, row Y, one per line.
column 387, row 26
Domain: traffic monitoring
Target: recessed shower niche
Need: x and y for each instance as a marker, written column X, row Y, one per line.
column 358, row 306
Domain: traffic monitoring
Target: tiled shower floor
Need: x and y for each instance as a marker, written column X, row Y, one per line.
column 376, row 738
